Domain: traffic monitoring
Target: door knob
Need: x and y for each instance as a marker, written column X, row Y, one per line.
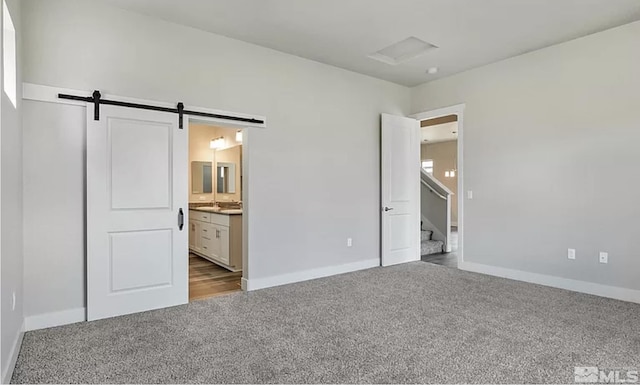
column 388, row 208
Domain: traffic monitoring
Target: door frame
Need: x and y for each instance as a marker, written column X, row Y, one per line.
column 458, row 110
column 49, row 94
column 246, row 172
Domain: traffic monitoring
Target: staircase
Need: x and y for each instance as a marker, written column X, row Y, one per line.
column 428, row 245
column 435, row 210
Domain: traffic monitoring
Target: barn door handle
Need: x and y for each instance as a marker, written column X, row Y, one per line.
column 180, row 219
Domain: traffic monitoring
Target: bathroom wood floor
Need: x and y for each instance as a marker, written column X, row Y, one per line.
column 207, row 279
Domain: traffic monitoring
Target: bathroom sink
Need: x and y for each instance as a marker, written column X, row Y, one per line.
column 212, row 209
column 221, row 211
column 231, row 211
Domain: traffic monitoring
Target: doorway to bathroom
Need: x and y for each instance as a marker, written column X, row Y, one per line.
column 216, row 209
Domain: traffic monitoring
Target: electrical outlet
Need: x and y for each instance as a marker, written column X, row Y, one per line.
column 604, row 257
column 571, row 253
column 349, row 242
column 13, row 300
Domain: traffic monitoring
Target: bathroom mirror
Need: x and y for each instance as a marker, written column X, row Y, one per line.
column 226, row 178
column 201, row 177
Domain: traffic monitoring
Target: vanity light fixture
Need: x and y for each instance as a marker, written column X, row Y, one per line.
column 239, row 136
column 216, row 143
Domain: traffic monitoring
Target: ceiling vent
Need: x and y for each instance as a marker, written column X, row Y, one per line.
column 402, row 51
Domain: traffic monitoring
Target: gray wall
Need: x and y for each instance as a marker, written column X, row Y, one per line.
column 54, row 217
column 11, row 213
column 445, row 157
column 433, row 210
column 314, row 171
column 531, row 125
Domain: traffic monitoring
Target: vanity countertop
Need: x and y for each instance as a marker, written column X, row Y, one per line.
column 217, row 210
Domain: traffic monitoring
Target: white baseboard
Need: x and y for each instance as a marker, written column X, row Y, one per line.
column 13, row 354
column 49, row 320
column 305, row 275
column 614, row 292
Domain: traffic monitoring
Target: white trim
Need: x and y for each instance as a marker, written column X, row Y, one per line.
column 13, row 356
column 305, row 275
column 618, row 293
column 59, row 318
column 49, row 94
column 457, row 109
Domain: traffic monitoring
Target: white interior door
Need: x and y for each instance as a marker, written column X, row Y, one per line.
column 137, row 256
column 400, row 190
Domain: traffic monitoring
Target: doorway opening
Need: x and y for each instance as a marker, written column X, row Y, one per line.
column 441, row 203
column 216, row 209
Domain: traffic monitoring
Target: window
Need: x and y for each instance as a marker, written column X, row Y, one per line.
column 427, row 166
column 9, row 54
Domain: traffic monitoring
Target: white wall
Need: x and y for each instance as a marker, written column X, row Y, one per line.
column 314, row 170
column 548, row 136
column 11, row 217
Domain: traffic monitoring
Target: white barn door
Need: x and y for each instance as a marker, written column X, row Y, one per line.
column 400, row 190
column 137, row 254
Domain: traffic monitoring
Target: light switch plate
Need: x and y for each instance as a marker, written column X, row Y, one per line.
column 571, row 254
column 470, row 194
column 604, row 257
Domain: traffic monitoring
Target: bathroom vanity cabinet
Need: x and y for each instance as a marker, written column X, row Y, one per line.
column 216, row 237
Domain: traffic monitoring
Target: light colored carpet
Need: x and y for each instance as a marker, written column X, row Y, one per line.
column 413, row 323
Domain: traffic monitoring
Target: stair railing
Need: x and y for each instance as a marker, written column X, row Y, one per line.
column 433, row 191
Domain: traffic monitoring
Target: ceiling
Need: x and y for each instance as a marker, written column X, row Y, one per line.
column 343, row 33
column 439, row 133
